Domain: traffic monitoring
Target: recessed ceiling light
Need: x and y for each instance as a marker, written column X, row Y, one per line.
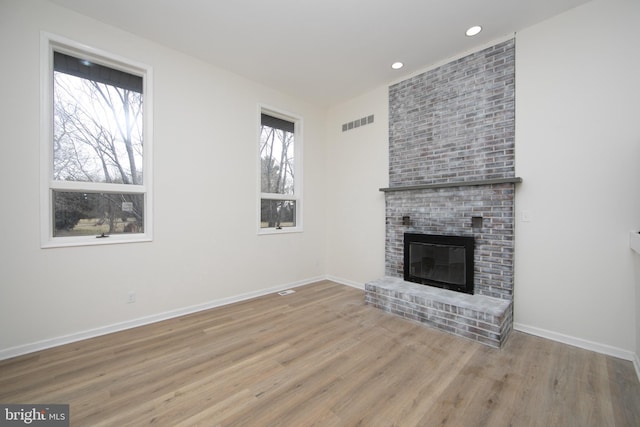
column 397, row 65
column 473, row 30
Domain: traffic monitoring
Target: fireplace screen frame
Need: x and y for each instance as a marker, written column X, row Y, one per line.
column 466, row 242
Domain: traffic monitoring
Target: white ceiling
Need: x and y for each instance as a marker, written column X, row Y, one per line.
column 324, row 51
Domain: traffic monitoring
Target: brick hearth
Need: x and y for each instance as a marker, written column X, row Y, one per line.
column 481, row 318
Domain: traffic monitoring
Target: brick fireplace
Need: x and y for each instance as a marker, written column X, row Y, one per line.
column 451, row 172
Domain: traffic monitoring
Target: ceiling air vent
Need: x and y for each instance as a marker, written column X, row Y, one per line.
column 357, row 123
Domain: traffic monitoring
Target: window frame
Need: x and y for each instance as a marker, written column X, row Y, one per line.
column 298, row 171
column 48, row 44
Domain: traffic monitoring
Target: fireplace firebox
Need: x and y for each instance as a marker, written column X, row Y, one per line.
column 442, row 261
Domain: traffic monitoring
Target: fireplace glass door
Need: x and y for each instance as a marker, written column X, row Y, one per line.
column 442, row 261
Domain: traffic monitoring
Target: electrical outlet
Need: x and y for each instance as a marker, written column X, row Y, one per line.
column 131, row 297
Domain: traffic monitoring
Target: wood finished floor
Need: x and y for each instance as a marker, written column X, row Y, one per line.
column 320, row 357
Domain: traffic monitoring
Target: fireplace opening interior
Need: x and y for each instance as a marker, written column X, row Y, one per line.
column 442, row 261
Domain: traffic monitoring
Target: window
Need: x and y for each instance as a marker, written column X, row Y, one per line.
column 280, row 173
column 96, row 147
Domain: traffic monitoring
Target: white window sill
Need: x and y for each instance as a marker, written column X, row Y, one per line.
column 285, row 230
column 64, row 242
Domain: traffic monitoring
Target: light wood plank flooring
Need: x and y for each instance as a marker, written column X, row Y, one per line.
column 320, row 357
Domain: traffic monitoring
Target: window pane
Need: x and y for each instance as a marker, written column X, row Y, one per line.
column 277, row 213
column 276, row 156
column 97, row 125
column 83, row 213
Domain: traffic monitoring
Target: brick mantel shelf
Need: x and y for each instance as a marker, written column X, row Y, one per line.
column 515, row 180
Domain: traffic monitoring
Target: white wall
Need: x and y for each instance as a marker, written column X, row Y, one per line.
column 577, row 151
column 206, row 247
column 357, row 168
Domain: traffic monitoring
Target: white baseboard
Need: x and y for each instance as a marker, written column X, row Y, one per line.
column 92, row 333
column 346, row 282
column 582, row 343
column 577, row 342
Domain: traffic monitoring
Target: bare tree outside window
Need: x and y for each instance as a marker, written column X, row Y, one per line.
column 97, row 132
column 277, row 144
column 97, row 138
